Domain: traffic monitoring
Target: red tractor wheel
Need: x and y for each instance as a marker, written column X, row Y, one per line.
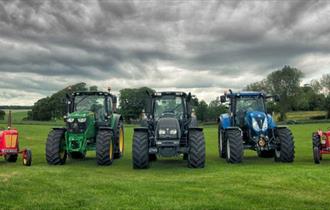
column 27, row 157
column 316, row 154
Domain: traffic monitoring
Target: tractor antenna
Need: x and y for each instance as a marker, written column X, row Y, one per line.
column 9, row 120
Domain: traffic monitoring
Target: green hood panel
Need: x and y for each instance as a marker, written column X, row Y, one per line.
column 80, row 114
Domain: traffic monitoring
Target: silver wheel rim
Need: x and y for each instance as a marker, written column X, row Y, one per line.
column 277, row 153
column 220, row 142
column 228, row 150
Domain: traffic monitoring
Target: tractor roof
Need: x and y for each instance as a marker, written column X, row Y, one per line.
column 246, row 94
column 176, row 93
column 91, row 93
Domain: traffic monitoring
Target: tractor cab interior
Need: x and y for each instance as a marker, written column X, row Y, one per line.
column 169, row 106
column 245, row 105
column 91, row 103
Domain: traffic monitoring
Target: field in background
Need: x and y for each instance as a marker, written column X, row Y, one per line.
column 168, row 184
column 305, row 115
column 293, row 117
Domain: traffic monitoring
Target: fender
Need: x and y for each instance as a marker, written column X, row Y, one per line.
column 141, row 129
column 115, row 120
column 234, row 128
column 196, row 129
column 59, row 129
column 271, row 123
column 224, row 120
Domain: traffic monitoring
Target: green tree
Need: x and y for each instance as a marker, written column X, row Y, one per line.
column 2, row 115
column 215, row 108
column 53, row 106
column 325, row 82
column 132, row 102
column 93, row 88
column 286, row 83
column 202, row 111
column 258, row 86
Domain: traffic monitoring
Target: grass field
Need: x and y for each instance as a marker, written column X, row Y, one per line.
column 168, row 184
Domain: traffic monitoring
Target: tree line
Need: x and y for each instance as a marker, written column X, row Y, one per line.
column 295, row 97
column 285, row 82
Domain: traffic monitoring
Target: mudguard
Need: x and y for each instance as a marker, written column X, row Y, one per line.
column 141, row 129
column 225, row 121
column 271, row 123
column 196, row 129
column 61, row 129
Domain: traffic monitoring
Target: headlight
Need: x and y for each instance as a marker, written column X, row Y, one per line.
column 255, row 125
column 162, row 132
column 173, row 132
column 265, row 125
column 82, row 120
column 70, row 120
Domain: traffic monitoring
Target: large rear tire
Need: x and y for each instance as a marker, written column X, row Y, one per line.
column 234, row 146
column 140, row 150
column 196, row 153
column 104, row 148
column 55, row 148
column 120, row 146
column 285, row 150
column 12, row 158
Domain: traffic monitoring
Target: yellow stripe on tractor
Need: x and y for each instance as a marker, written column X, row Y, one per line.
column 11, row 140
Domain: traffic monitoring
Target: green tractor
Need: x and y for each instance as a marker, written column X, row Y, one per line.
column 91, row 125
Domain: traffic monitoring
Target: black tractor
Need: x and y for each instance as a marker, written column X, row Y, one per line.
column 169, row 130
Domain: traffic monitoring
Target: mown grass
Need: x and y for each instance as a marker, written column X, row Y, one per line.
column 168, row 184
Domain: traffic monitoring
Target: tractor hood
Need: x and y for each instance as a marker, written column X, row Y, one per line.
column 79, row 115
column 78, row 122
column 168, row 128
column 258, row 121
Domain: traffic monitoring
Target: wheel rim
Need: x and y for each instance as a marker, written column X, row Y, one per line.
column 277, row 153
column 228, row 150
column 24, row 161
column 220, row 139
column 62, row 151
column 110, row 150
column 121, row 140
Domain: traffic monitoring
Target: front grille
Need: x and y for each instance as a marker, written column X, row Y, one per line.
column 10, row 140
column 77, row 127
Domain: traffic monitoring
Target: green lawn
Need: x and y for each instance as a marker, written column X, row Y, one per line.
column 168, row 184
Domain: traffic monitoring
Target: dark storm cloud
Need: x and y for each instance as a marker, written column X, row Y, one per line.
column 200, row 45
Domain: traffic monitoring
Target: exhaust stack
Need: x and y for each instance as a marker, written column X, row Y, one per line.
column 9, row 120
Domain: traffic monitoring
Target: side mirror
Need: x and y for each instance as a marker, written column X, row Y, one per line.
column 223, row 99
column 276, row 98
column 148, row 108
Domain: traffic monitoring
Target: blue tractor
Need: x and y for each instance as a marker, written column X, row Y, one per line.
column 248, row 126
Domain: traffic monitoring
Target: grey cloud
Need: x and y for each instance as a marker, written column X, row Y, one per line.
column 135, row 42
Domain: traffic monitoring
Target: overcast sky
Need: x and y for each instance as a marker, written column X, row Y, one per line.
column 200, row 46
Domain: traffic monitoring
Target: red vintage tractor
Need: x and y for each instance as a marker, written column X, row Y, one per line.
column 321, row 145
column 9, row 146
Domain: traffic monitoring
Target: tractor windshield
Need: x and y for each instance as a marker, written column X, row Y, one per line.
column 169, row 105
column 250, row 104
column 91, row 103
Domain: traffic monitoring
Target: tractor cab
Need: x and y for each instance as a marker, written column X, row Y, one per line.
column 94, row 106
column 165, row 105
column 248, row 126
column 91, row 125
column 169, row 130
column 249, row 113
